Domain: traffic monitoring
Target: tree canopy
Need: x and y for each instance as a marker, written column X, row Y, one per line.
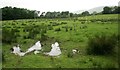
column 111, row 10
column 9, row 13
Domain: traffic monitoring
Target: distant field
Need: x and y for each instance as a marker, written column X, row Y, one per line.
column 70, row 33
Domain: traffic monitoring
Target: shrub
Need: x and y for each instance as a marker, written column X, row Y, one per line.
column 35, row 29
column 9, row 36
column 101, row 45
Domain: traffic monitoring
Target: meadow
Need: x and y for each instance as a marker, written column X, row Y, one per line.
column 70, row 33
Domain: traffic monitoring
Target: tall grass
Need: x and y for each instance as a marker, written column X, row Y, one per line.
column 101, row 44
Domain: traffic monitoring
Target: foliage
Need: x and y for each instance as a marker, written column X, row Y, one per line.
column 63, row 22
column 70, row 54
column 9, row 36
column 101, row 45
column 85, row 13
column 67, row 40
column 13, row 13
column 57, row 29
column 9, row 13
column 111, row 10
column 50, row 27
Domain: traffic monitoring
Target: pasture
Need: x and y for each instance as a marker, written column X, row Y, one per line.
column 70, row 33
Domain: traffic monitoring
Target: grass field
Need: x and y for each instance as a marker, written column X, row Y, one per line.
column 71, row 33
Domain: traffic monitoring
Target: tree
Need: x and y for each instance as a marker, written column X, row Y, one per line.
column 65, row 14
column 116, row 10
column 85, row 13
column 42, row 14
column 107, row 10
column 9, row 13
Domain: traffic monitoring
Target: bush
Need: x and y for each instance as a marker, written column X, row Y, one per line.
column 35, row 29
column 101, row 45
column 9, row 36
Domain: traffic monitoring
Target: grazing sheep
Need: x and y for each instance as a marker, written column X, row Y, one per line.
column 21, row 54
column 17, row 51
column 56, row 44
column 74, row 51
column 55, row 51
column 35, row 47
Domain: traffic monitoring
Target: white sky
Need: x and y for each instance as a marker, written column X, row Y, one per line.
column 58, row 5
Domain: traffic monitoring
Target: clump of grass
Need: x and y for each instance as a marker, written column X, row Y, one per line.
column 50, row 27
column 70, row 55
column 43, row 37
column 70, row 28
column 63, row 22
column 12, row 38
column 101, row 45
column 57, row 29
column 66, row 29
column 96, row 64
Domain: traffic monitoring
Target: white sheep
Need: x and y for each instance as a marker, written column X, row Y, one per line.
column 74, row 51
column 55, row 51
column 17, row 51
column 35, row 47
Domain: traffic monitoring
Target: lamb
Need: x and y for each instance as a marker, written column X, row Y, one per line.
column 55, row 51
column 74, row 51
column 17, row 51
column 35, row 47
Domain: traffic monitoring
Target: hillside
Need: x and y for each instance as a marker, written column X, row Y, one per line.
column 97, row 9
column 70, row 33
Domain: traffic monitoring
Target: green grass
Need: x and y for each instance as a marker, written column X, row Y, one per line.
column 69, row 40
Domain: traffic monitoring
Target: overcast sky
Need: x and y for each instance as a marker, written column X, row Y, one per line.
column 58, row 5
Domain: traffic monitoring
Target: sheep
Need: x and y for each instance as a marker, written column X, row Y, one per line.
column 74, row 51
column 17, row 51
column 55, row 51
column 35, row 47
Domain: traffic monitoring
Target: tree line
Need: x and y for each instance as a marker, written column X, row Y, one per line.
column 111, row 10
column 12, row 13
